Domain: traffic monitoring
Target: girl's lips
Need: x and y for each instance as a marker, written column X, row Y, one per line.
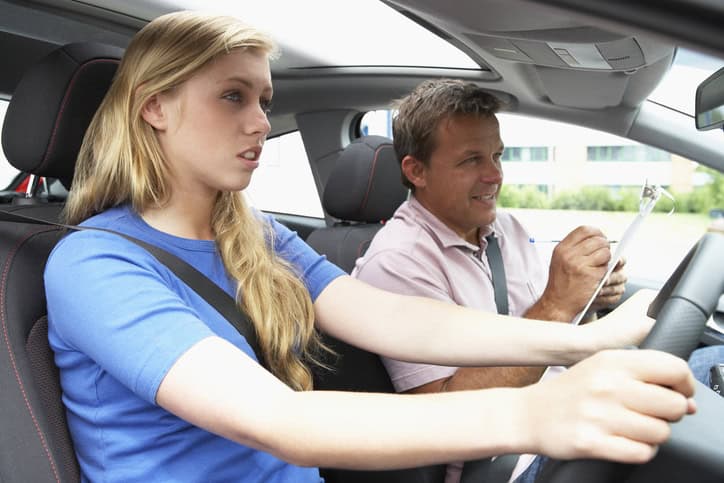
column 250, row 154
column 249, row 163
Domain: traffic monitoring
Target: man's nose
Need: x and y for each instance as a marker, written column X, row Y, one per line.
column 491, row 171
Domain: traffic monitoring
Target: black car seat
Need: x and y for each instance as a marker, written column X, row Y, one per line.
column 362, row 192
column 42, row 132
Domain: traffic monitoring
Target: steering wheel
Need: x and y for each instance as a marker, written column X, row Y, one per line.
column 695, row 450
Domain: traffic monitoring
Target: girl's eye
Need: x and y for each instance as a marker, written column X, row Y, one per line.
column 233, row 96
column 266, row 106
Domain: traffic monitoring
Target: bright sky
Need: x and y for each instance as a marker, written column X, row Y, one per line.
column 310, row 27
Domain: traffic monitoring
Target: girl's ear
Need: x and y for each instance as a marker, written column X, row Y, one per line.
column 153, row 113
column 414, row 170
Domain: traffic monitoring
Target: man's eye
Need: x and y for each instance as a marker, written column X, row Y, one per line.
column 233, row 96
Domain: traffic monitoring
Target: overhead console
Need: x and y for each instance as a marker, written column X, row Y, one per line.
column 612, row 55
column 555, row 58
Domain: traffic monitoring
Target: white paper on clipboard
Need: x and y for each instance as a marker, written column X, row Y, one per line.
column 624, row 242
column 649, row 196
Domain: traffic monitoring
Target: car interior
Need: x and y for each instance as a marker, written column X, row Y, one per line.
column 60, row 56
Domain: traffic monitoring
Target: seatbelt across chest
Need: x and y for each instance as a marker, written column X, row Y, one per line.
column 224, row 304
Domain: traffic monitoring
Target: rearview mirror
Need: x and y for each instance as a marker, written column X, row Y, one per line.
column 710, row 102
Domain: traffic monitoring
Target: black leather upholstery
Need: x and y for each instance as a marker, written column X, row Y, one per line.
column 363, row 191
column 364, row 185
column 53, row 105
column 42, row 132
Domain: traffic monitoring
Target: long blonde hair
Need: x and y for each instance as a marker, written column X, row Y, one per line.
column 121, row 161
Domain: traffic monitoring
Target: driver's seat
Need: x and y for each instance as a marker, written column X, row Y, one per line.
column 43, row 129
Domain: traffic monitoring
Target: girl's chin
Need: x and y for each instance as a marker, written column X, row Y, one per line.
column 235, row 185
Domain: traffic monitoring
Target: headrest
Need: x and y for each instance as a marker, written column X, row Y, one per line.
column 52, row 106
column 365, row 184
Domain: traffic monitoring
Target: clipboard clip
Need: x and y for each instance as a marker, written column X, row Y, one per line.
column 650, row 194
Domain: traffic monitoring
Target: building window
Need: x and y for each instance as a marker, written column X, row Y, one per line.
column 515, row 153
column 627, row 153
column 538, row 154
column 512, row 154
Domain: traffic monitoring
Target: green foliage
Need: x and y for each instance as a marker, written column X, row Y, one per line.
column 702, row 198
column 514, row 196
column 600, row 198
column 597, row 198
column 716, row 187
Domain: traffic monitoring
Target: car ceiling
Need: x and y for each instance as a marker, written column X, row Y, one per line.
column 518, row 44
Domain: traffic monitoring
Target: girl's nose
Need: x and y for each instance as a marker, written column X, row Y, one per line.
column 260, row 122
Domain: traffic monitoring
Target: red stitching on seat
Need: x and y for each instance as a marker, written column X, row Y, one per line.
column 64, row 104
column 3, row 291
column 372, row 174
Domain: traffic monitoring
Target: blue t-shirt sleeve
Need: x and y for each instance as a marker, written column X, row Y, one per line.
column 314, row 269
column 109, row 300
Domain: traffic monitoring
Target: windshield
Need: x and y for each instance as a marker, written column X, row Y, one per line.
column 378, row 36
column 677, row 90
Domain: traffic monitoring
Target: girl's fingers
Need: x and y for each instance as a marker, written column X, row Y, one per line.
column 654, row 400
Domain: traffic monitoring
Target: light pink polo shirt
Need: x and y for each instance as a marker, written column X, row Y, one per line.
column 416, row 254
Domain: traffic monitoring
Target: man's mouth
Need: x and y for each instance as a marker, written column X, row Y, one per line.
column 484, row 197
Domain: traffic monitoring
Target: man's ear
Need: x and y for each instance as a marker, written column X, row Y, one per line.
column 414, row 170
column 153, row 113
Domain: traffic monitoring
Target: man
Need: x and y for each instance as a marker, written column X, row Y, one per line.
column 447, row 139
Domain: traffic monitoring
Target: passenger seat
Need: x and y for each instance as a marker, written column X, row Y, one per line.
column 363, row 191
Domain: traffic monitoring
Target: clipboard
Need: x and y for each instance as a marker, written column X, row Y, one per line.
column 650, row 195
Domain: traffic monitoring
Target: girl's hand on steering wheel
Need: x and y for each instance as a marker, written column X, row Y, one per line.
column 615, row 405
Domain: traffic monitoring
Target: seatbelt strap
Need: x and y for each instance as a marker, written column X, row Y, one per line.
column 500, row 286
column 224, row 304
column 499, row 469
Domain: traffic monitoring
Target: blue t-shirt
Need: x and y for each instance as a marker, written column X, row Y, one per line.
column 118, row 320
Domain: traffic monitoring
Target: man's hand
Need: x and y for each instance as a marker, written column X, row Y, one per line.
column 578, row 263
column 612, row 290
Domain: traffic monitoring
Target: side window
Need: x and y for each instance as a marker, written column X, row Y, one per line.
column 377, row 123
column 559, row 176
column 7, row 172
column 283, row 182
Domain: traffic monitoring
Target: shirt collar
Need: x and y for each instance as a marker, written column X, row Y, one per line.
column 445, row 236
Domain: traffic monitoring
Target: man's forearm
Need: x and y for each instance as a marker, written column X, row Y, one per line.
column 487, row 377
column 544, row 309
column 467, row 378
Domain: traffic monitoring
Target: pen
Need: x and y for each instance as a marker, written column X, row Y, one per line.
column 535, row 240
